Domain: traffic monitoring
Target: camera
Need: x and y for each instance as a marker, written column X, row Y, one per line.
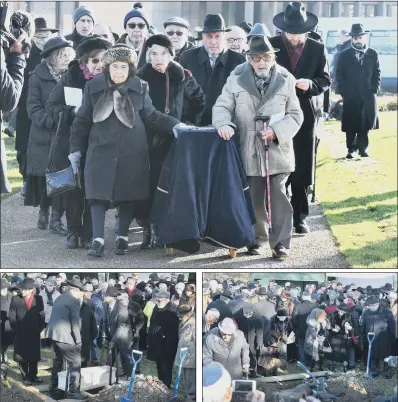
column 243, row 386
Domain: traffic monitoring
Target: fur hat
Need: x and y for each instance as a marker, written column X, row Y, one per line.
column 161, row 40
column 90, row 43
column 120, row 53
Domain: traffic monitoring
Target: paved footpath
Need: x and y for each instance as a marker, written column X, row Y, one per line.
column 25, row 246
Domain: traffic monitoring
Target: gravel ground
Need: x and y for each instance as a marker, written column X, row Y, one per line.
column 23, row 245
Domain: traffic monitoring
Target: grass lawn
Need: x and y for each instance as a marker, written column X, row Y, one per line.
column 12, row 165
column 359, row 196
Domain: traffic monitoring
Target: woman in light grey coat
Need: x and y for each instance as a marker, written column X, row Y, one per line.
column 260, row 87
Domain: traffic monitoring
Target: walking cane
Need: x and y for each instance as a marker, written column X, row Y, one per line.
column 371, row 338
column 265, row 120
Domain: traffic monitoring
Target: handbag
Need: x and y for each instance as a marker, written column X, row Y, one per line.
column 64, row 180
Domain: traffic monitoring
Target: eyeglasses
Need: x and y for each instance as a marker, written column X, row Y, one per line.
column 232, row 40
column 257, row 58
column 96, row 61
column 178, row 33
column 133, row 25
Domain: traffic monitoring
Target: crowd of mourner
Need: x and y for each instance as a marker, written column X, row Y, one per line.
column 255, row 331
column 144, row 89
column 90, row 323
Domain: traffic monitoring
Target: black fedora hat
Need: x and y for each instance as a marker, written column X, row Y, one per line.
column 28, row 284
column 295, row 19
column 214, row 23
column 75, row 283
column 55, row 43
column 261, row 45
column 357, row 30
column 41, row 26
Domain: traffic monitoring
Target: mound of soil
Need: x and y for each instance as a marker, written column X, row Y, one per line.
column 146, row 389
column 15, row 393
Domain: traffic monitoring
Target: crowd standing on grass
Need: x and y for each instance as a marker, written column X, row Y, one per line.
column 142, row 90
column 258, row 330
column 88, row 323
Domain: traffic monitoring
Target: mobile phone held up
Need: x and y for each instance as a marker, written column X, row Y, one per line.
column 243, row 386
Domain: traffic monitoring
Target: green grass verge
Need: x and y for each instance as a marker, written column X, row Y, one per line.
column 359, row 196
column 12, row 166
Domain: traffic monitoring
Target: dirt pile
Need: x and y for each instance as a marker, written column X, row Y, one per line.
column 15, row 393
column 146, row 389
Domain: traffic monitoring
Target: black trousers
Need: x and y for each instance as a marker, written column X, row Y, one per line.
column 165, row 370
column 78, row 216
column 22, row 158
column 124, row 353
column 29, row 369
column 71, row 353
column 359, row 140
column 299, row 200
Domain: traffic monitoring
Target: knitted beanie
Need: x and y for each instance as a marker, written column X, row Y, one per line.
column 82, row 11
column 136, row 12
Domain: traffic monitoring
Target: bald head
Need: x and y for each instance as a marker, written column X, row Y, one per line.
column 236, row 39
column 103, row 30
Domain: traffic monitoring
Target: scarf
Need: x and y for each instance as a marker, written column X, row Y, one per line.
column 29, row 300
column 57, row 76
column 50, row 301
column 115, row 98
column 293, row 51
column 86, row 72
column 359, row 53
column 262, row 81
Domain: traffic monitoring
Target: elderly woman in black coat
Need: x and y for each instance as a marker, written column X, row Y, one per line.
column 57, row 54
column 89, row 64
column 27, row 320
column 110, row 130
column 173, row 91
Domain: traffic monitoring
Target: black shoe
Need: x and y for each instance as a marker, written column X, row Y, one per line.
column 76, row 396
column 96, row 249
column 302, row 228
column 56, row 393
column 122, row 246
column 350, row 155
column 85, row 243
column 147, row 238
column 27, row 382
column 24, row 188
column 363, row 154
column 280, row 252
column 72, row 241
column 253, row 250
column 56, row 225
column 37, row 380
column 9, row 132
column 42, row 223
column 254, row 374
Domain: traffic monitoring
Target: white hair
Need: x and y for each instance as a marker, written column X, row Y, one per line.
column 213, row 312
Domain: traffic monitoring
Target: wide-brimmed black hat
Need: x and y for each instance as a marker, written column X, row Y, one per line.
column 295, row 19
column 246, row 26
column 261, row 45
column 90, row 43
column 357, row 30
column 75, row 283
column 41, row 26
column 111, row 291
column 263, row 291
column 214, row 23
column 228, row 294
column 28, row 284
column 55, row 43
column 343, row 307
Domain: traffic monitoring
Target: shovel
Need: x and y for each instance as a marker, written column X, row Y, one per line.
column 371, row 338
column 128, row 398
column 181, row 357
column 308, row 372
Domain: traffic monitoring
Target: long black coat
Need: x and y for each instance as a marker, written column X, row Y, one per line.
column 186, row 103
column 210, row 80
column 163, row 334
column 6, row 334
column 89, row 329
column 299, row 317
column 383, row 324
column 340, row 341
column 117, row 163
column 27, row 325
column 188, row 45
column 252, row 328
column 358, row 86
column 23, row 121
column 75, row 38
column 73, row 78
column 41, row 85
column 312, row 65
column 117, row 326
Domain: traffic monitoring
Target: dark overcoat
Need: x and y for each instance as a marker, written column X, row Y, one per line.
column 7, row 334
column 252, row 328
column 117, row 326
column 186, row 103
column 211, row 80
column 383, row 324
column 117, row 163
column 221, row 307
column 89, row 329
column 23, row 121
column 358, row 86
column 188, row 45
column 163, row 334
column 75, row 38
column 340, row 341
column 299, row 317
column 27, row 325
column 41, row 85
column 56, row 105
column 312, row 65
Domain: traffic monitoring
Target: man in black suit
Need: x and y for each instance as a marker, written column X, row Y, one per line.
column 117, row 328
column 212, row 63
column 358, row 81
column 304, row 58
column 64, row 331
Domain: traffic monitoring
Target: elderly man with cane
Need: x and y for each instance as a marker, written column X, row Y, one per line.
column 259, row 101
